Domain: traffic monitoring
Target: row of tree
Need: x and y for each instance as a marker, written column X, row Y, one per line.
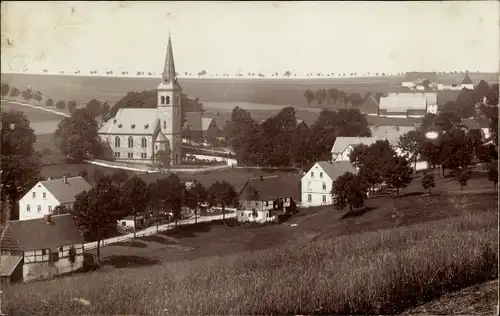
column 280, row 142
column 332, row 96
column 115, row 197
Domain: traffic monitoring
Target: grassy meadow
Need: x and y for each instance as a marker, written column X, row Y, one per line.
column 377, row 272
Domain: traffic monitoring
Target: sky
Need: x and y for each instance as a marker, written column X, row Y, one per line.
column 267, row 37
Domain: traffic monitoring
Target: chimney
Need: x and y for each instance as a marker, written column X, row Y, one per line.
column 47, row 218
column 65, row 179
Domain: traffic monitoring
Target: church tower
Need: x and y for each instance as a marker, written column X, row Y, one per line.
column 169, row 106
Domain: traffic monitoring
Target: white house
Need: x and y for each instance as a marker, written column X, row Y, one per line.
column 316, row 184
column 343, row 146
column 129, row 221
column 455, row 86
column 41, row 248
column 415, row 80
column 137, row 134
column 45, row 196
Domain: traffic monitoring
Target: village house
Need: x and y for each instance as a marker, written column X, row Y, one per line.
column 128, row 222
column 46, row 195
column 40, row 248
column 265, row 199
column 415, row 105
column 369, row 106
column 466, row 83
column 317, row 183
column 416, row 80
column 343, row 146
column 137, row 134
column 200, row 129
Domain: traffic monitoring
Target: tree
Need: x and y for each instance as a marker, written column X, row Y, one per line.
column 333, row 94
column 486, row 153
column 27, row 95
column 398, row 173
column 38, row 97
column 163, row 158
column 136, row 195
column 4, row 89
column 493, row 175
column 173, row 195
column 196, row 194
column 14, row 92
column 409, row 143
column 120, row 177
column 45, row 153
column 347, row 191
column 222, row 193
column 97, row 211
column 288, row 73
column 71, row 107
column 60, row 105
column 20, row 165
column 356, row 99
column 309, row 95
column 77, row 136
column 94, row 107
column 61, row 209
column 320, row 95
column 49, row 103
column 463, row 177
column 428, row 182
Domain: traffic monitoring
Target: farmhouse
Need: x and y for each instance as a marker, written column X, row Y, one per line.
column 40, row 248
column 137, row 134
column 408, row 105
column 466, row 83
column 264, row 199
column 343, row 146
column 45, row 196
column 316, row 184
column 369, row 106
column 391, row 133
column 416, row 80
column 129, row 222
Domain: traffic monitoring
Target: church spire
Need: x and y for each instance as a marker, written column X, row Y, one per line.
column 169, row 74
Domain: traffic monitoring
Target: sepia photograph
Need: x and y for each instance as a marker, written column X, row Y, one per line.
column 249, row 158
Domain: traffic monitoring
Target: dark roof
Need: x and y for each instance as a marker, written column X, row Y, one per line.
column 446, row 96
column 36, row 234
column 393, row 121
column 420, row 76
column 471, row 123
column 220, row 121
column 193, row 119
column 467, row 79
column 337, row 168
column 66, row 192
column 271, row 187
column 369, row 106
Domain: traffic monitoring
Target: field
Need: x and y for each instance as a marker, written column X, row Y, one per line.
column 259, row 91
column 322, row 266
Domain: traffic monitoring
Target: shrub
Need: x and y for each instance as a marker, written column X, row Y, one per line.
column 60, row 105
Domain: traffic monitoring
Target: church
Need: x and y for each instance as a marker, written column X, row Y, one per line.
column 137, row 134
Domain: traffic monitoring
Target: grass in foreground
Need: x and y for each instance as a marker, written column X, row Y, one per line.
column 379, row 272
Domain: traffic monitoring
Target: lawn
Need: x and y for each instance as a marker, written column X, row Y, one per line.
column 375, row 272
column 33, row 115
column 259, row 91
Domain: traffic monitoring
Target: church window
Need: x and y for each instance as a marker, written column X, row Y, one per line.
column 164, row 124
column 162, row 99
column 143, row 142
column 168, row 100
column 130, row 142
column 117, row 141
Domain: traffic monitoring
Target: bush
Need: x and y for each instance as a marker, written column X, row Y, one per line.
column 60, row 105
column 49, row 103
column 14, row 92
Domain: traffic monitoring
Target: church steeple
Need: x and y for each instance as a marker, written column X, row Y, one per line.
column 169, row 75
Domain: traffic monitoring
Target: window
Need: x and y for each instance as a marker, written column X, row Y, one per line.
column 34, row 194
column 124, row 223
column 44, row 252
column 164, row 124
column 144, row 142
column 39, row 208
column 167, row 100
column 44, row 195
column 117, row 154
column 55, row 256
column 143, row 155
column 130, row 142
column 162, row 100
column 117, row 141
column 242, row 214
column 312, row 174
column 28, row 208
column 324, row 198
column 321, row 175
column 309, row 198
column 309, row 185
column 131, row 155
column 50, row 208
column 324, row 186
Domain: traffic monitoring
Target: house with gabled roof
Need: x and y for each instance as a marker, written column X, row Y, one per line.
column 369, row 106
column 454, row 85
column 40, row 248
column 45, row 196
column 415, row 80
column 343, row 146
column 408, row 104
column 265, row 199
column 317, row 182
